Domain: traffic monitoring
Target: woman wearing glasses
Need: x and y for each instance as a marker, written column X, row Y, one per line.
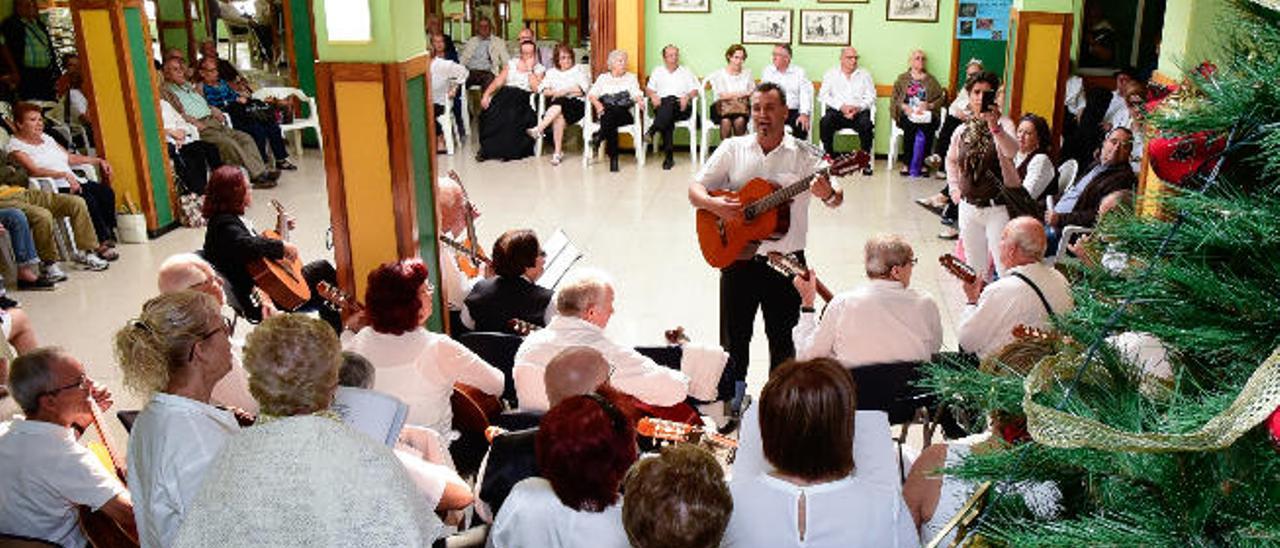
column 492, row 304
column 173, row 354
column 413, row 364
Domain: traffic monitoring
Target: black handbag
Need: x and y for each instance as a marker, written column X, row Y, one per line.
column 620, row 99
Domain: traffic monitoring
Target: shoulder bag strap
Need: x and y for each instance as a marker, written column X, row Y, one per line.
column 1039, row 293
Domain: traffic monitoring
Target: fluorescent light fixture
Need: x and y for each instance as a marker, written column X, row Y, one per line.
column 348, row 20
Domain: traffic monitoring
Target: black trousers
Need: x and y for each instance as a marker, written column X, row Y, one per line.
column 745, row 287
column 793, row 120
column 264, row 134
column 909, row 130
column 101, row 202
column 834, row 121
column 480, row 78
column 193, row 163
column 949, row 127
column 610, row 120
column 665, row 118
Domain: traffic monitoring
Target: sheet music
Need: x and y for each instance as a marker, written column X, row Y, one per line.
column 378, row 415
column 561, row 254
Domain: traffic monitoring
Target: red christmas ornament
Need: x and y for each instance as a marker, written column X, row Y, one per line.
column 1175, row 158
column 1273, row 426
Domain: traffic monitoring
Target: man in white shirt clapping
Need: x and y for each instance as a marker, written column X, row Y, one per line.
column 795, row 85
column 848, row 94
column 671, row 89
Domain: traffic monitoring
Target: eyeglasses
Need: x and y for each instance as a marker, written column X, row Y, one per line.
column 228, row 326
column 542, row 254
column 914, row 261
column 82, row 383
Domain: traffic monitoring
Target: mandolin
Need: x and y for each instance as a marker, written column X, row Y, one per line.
column 958, row 268
column 680, row 432
column 473, row 409
column 281, row 279
column 99, row 528
column 789, row 266
column 724, row 241
column 471, row 254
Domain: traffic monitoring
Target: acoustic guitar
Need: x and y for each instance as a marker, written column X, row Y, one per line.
column 473, row 409
column 764, row 215
column 789, row 266
column 471, row 255
column 97, row 527
column 958, row 268
column 281, row 279
column 471, row 259
column 680, row 432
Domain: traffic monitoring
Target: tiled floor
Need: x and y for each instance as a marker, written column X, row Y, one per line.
column 637, row 225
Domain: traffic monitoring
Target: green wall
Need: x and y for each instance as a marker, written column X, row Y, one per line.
column 394, row 37
column 1191, row 28
column 882, row 45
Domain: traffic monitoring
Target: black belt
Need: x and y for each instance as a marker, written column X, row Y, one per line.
column 990, row 202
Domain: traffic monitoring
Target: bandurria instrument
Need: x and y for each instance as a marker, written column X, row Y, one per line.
column 725, row 240
column 958, row 268
column 681, row 432
column 281, row 279
column 789, row 266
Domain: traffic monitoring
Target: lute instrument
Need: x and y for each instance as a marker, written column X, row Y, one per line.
column 764, row 216
column 680, row 432
column 281, row 279
column 958, row 268
column 789, row 266
column 473, row 409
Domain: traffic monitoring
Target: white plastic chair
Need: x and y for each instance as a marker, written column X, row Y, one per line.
column 690, row 125
column 706, row 96
column 299, row 124
column 635, row 130
column 850, row 131
column 1069, row 233
column 896, row 133
column 1067, row 175
column 447, row 125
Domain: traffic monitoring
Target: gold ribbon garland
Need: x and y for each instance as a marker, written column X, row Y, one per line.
column 1256, row 401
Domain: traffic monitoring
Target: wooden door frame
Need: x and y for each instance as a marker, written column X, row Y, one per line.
column 603, row 33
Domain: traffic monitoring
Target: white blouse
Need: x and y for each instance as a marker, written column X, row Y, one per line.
column 565, row 80
column 722, row 82
column 46, row 155
column 532, row 515
column 1040, row 173
column 173, row 443
column 444, row 73
column 420, row 368
column 844, row 513
column 607, row 84
column 520, row 79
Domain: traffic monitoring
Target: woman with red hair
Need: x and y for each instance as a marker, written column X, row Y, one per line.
column 413, row 364
column 585, row 446
column 231, row 242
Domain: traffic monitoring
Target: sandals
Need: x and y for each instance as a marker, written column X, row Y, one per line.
column 556, row 158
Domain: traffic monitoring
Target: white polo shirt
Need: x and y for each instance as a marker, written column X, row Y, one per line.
column 839, row 89
column 987, row 326
column 667, row 83
column 795, row 83
column 45, row 476
column 739, row 159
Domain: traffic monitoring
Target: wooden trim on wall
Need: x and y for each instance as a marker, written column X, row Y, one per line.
column 603, row 34
column 640, row 44
column 954, row 73
column 326, row 74
column 1022, row 22
column 291, row 56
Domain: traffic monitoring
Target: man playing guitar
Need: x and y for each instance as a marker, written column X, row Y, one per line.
column 749, row 283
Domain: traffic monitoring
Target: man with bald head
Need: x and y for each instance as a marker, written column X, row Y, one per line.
column 1029, row 292
column 847, row 94
column 575, row 371
column 453, row 207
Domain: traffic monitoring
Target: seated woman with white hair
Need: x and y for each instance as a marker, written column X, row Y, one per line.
column 612, row 96
column 300, row 476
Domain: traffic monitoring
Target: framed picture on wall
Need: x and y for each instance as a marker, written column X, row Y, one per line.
column 766, row 26
column 825, row 27
column 684, row 6
column 844, row 1
column 923, row 11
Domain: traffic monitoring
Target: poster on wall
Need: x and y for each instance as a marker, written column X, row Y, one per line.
column 766, row 26
column 825, row 27
column 684, row 6
column 922, row 11
column 983, row 20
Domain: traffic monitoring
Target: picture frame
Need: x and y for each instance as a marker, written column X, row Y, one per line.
column 844, row 1
column 684, row 6
column 825, row 27
column 766, row 26
column 915, row 11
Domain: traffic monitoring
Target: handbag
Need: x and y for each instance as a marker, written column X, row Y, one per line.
column 738, row 106
column 620, row 99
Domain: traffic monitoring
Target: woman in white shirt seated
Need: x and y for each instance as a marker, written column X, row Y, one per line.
column 613, row 96
column 415, row 365
column 300, row 477
column 732, row 86
column 563, row 87
column 811, row 496
column 507, row 113
column 1032, row 163
column 446, row 75
column 173, row 354
column 585, row 446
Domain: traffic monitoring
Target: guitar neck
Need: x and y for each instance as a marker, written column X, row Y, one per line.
column 471, row 253
column 112, row 451
column 783, row 195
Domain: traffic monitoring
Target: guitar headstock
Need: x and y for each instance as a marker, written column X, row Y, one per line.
column 958, row 268
column 848, row 163
column 336, row 298
column 279, row 207
column 676, row 336
column 521, row 327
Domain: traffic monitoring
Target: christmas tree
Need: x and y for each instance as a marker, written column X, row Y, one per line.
column 1182, row 456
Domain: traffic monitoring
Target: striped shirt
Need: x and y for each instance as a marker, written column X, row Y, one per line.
column 192, row 102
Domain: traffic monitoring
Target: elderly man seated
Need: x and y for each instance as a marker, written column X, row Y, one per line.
column 484, row 55
column 1029, row 293
column 585, row 305
column 46, row 475
column 1079, row 202
column 236, row 147
column 883, row 321
column 527, row 35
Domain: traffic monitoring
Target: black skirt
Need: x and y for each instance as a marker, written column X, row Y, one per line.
column 572, row 108
column 503, row 125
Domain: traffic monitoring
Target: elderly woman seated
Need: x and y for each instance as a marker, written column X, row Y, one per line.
column 612, row 96
column 563, row 88
column 917, row 95
column 300, row 476
column 259, row 123
column 173, row 354
column 585, row 446
column 506, row 114
column 812, row 496
column 519, row 260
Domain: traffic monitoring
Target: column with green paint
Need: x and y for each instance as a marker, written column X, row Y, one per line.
column 372, row 89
